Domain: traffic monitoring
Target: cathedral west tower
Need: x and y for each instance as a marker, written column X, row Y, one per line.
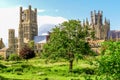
column 28, row 27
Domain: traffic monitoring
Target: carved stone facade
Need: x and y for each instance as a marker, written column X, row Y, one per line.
column 101, row 29
column 28, row 27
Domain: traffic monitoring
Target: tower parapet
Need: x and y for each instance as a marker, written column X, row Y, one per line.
column 96, row 18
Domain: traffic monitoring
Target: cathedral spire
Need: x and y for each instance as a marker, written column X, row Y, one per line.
column 87, row 22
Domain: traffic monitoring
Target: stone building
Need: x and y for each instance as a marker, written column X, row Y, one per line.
column 40, row 41
column 97, row 25
column 27, row 31
column 11, row 38
column 28, row 28
column 100, row 28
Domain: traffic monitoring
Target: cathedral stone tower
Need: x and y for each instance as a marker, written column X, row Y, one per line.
column 11, row 40
column 101, row 29
column 27, row 26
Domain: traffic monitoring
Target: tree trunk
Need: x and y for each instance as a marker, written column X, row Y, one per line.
column 70, row 65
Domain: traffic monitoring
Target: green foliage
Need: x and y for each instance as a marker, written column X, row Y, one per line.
column 93, row 35
column 2, row 66
column 68, row 41
column 14, row 57
column 65, row 39
column 27, row 53
column 109, row 64
column 1, row 57
column 2, row 78
column 86, row 70
column 31, row 44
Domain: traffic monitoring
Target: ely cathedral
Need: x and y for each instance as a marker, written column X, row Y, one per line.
column 28, row 30
column 101, row 29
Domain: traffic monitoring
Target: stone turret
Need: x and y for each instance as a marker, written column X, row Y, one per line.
column 11, row 41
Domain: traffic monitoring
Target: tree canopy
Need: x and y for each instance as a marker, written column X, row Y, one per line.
column 68, row 40
column 109, row 63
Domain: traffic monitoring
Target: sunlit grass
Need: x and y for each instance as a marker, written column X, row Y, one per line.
column 38, row 69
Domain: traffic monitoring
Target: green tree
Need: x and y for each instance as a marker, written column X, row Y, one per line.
column 67, row 41
column 109, row 63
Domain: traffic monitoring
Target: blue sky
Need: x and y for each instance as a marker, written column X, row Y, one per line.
column 57, row 11
column 77, row 9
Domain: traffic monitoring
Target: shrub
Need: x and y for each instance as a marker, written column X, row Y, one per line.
column 25, row 66
column 84, row 70
column 9, row 69
column 14, row 57
column 89, row 71
column 46, row 78
column 18, row 69
column 2, row 66
column 27, row 53
column 77, row 70
column 1, row 57
column 19, row 73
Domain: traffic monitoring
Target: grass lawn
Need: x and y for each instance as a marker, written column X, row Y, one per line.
column 37, row 69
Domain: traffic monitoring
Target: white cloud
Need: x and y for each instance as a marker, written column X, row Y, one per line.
column 46, row 23
column 41, row 10
column 50, row 20
column 9, row 18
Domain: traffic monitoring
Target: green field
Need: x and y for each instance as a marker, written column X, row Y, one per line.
column 38, row 69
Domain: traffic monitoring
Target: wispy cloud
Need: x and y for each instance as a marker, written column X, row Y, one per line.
column 41, row 10
column 50, row 20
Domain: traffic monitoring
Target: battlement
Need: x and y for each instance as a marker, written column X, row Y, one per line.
column 101, row 29
column 93, row 13
column 11, row 30
column 28, row 14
